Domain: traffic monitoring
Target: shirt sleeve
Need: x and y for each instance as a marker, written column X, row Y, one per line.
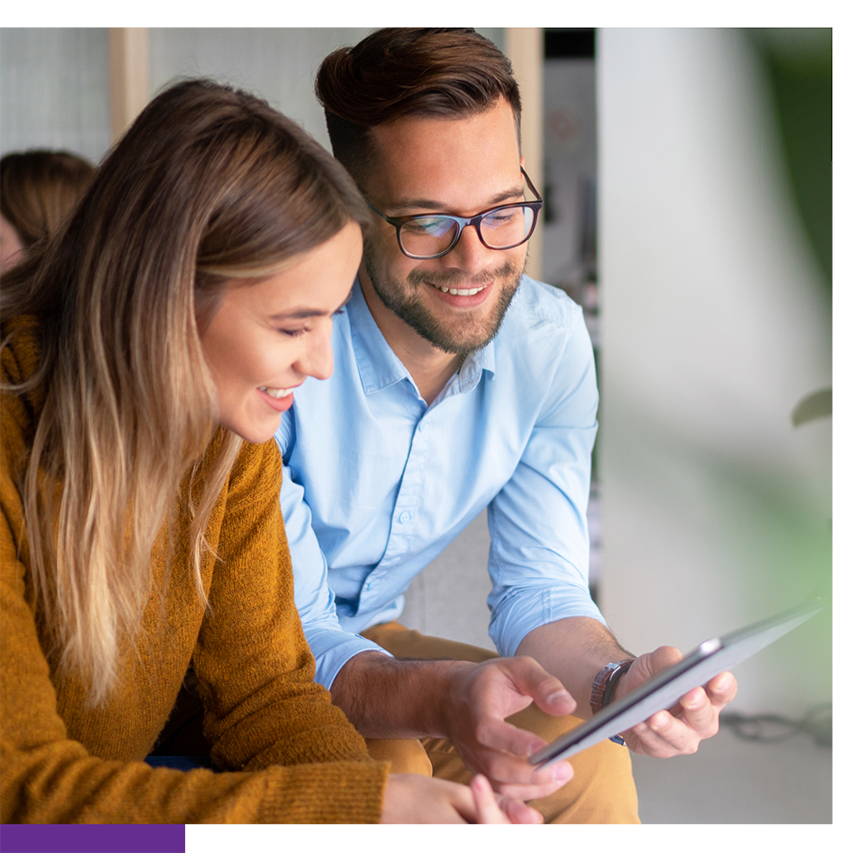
column 538, row 560
column 332, row 646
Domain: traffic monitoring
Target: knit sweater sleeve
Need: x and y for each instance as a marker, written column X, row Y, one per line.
column 254, row 668
column 321, row 776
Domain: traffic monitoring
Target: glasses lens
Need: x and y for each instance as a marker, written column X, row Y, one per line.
column 508, row 226
column 428, row 235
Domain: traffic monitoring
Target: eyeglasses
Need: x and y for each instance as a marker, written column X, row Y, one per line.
column 432, row 235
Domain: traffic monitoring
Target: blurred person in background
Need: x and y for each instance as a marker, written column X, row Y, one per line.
column 38, row 190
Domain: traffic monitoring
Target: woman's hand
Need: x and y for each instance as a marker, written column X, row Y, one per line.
column 504, row 824
column 419, row 799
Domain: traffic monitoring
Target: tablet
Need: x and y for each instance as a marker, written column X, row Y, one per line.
column 662, row 692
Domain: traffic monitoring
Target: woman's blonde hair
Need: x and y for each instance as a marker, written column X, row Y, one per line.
column 208, row 185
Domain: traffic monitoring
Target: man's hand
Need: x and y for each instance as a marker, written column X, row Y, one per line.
column 666, row 733
column 466, row 702
column 694, row 718
column 480, row 698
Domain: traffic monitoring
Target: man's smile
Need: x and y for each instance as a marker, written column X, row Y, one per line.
column 460, row 291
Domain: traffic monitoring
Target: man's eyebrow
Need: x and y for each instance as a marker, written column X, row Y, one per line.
column 305, row 313
column 434, row 206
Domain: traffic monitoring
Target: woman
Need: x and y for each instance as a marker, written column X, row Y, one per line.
column 149, row 349
column 38, row 190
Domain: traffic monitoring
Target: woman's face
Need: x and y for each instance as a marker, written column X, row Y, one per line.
column 266, row 338
column 10, row 245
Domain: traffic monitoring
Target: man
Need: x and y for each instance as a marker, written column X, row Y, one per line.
column 459, row 384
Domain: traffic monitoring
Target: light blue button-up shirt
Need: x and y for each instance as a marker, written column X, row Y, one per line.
column 377, row 483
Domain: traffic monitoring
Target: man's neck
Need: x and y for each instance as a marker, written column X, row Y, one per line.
column 430, row 367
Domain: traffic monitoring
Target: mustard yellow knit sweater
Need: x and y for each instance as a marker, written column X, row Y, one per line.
column 289, row 755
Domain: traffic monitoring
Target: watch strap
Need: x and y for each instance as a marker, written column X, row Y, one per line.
column 603, row 687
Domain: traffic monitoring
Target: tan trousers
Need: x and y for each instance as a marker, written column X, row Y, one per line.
column 601, row 790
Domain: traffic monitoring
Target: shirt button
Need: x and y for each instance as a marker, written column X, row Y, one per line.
column 404, row 517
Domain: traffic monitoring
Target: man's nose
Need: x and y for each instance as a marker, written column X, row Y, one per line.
column 469, row 254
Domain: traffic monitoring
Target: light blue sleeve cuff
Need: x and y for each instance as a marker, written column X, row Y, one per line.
column 332, row 649
column 522, row 610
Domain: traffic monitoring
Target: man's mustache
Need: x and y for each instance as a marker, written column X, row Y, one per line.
column 456, row 279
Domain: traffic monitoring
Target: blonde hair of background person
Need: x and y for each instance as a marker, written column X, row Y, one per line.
column 210, row 202
column 38, row 190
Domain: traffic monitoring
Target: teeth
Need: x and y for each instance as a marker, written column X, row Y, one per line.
column 456, row 292
column 278, row 393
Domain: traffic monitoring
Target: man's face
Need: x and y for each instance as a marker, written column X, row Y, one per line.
column 460, row 167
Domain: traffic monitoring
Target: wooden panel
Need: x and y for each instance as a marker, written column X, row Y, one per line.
column 128, row 74
column 524, row 47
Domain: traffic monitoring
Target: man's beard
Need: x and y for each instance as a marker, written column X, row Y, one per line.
column 404, row 299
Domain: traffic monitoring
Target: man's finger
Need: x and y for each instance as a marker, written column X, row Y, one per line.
column 535, row 790
column 547, row 691
column 662, row 736
column 502, row 767
column 699, row 713
column 676, row 737
column 500, row 735
column 722, row 688
column 662, row 658
column 646, row 666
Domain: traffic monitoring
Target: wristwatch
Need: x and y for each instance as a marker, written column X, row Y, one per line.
column 603, row 687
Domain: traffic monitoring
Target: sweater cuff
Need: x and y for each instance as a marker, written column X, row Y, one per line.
column 346, row 793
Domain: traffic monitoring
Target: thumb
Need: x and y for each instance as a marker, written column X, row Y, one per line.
column 548, row 693
column 647, row 666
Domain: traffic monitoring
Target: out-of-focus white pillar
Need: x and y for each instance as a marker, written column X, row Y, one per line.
column 715, row 324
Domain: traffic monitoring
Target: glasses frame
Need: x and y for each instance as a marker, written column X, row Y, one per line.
column 464, row 222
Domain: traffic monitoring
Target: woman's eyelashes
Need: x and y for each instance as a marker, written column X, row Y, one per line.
column 293, row 333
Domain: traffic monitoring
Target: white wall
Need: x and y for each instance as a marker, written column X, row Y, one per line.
column 54, row 90
column 55, row 81
column 716, row 510
column 276, row 64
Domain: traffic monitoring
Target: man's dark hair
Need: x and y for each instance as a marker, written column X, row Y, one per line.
column 395, row 72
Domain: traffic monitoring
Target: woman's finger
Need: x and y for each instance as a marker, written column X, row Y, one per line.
column 526, row 825
column 493, row 827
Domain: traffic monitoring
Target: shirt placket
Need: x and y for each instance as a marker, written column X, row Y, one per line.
column 404, row 517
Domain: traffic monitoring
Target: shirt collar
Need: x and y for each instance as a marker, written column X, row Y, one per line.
column 474, row 365
column 378, row 365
